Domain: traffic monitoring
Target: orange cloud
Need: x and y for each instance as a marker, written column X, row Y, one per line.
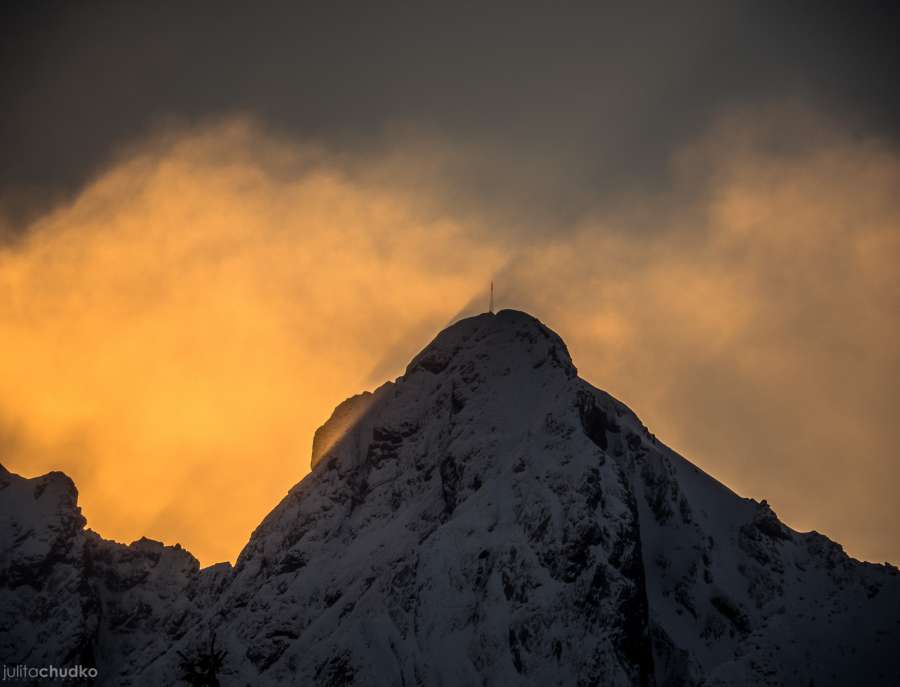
column 174, row 336
column 758, row 329
column 196, row 313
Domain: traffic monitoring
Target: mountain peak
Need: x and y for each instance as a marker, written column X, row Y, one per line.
column 487, row 518
column 510, row 337
column 507, row 350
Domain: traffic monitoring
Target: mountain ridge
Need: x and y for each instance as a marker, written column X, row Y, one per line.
column 487, row 518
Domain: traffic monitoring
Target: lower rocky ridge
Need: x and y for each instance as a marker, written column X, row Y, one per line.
column 487, row 519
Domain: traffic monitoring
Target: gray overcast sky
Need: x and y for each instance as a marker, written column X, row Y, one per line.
column 604, row 91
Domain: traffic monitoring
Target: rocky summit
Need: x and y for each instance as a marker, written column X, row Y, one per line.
column 489, row 518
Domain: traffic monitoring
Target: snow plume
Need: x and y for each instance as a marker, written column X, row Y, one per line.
column 173, row 336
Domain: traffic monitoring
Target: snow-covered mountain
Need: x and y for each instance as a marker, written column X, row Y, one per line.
column 489, row 518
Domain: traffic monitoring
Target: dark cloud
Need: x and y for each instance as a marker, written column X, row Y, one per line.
column 602, row 91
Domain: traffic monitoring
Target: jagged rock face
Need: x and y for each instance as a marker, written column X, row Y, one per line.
column 487, row 519
column 451, row 536
column 68, row 597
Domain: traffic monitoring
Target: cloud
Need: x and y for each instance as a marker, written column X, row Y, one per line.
column 757, row 330
column 174, row 336
column 197, row 312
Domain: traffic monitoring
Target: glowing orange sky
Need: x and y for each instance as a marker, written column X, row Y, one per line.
column 174, row 336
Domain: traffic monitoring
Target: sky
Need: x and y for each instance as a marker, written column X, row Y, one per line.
column 216, row 223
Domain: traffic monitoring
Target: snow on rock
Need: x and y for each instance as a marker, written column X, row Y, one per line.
column 68, row 597
column 489, row 518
